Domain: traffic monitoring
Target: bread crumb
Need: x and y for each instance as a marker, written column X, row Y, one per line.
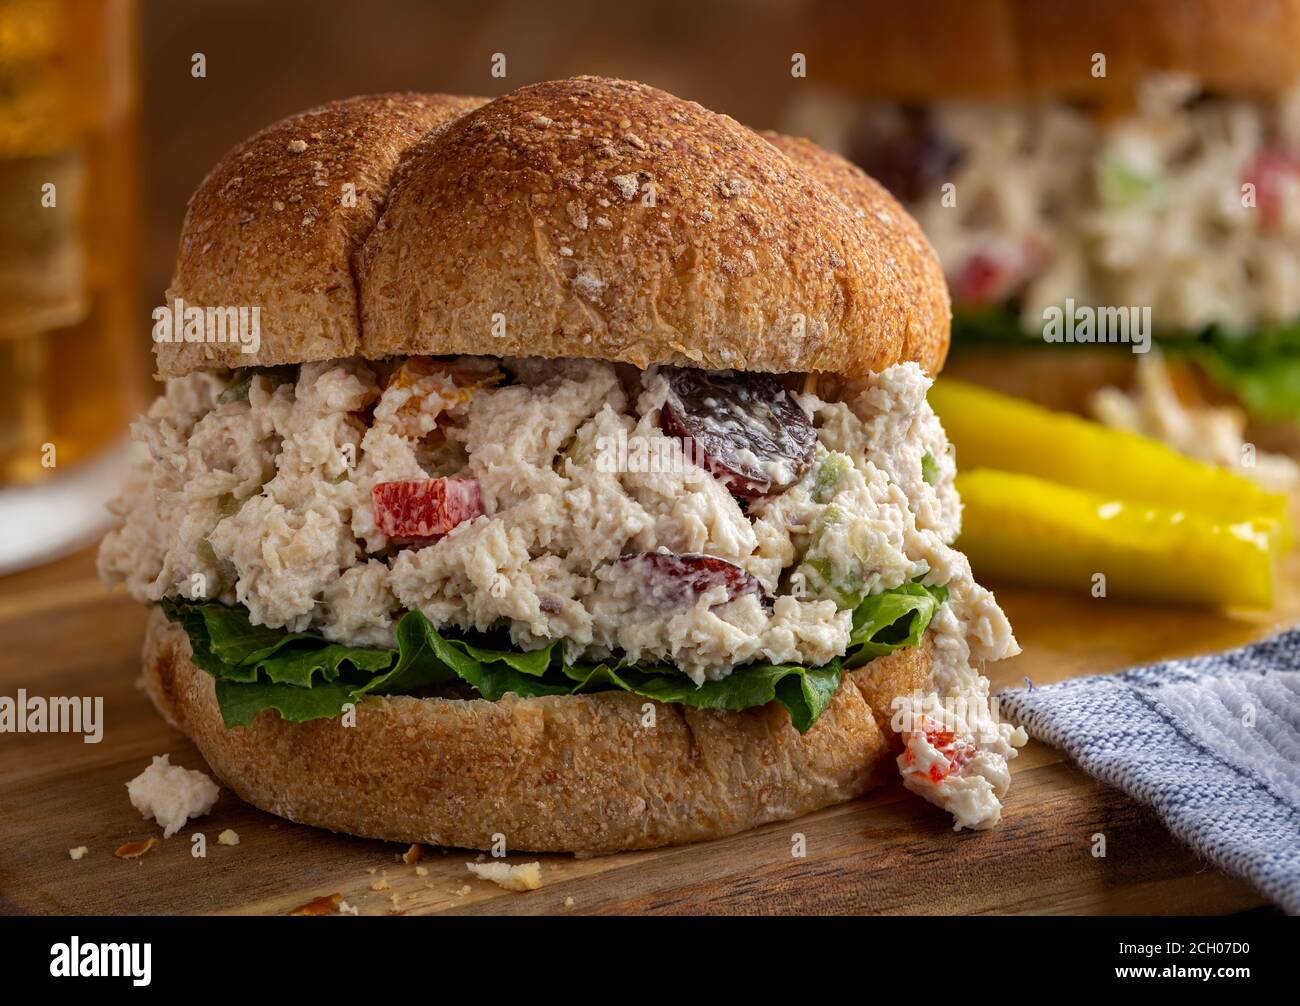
column 568, row 902
column 326, row 904
column 464, row 891
column 381, row 884
column 228, row 837
column 524, row 877
column 413, row 855
column 348, row 909
column 134, row 850
column 78, row 852
column 421, row 871
column 171, row 795
column 297, row 146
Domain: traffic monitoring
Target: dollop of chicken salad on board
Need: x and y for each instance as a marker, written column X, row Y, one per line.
column 476, row 526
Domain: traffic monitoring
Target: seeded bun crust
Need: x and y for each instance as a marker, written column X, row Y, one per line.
column 926, row 341
column 269, row 227
column 983, row 48
column 553, row 774
column 584, row 217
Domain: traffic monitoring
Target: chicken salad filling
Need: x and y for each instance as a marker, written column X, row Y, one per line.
column 1188, row 204
column 544, row 527
column 1185, row 204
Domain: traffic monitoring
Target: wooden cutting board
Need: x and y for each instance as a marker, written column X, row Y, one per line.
column 65, row 634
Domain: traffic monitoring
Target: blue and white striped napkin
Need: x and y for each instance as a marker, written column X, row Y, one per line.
column 1212, row 743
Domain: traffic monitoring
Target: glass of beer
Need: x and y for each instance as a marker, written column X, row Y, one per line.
column 73, row 361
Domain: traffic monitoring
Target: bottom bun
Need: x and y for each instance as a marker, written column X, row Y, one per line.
column 554, row 774
column 1063, row 378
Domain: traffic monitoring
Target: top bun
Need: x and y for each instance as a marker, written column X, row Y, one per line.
column 987, row 48
column 584, row 217
column 926, row 342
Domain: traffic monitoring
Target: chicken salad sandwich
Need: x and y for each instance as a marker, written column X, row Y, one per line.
column 579, row 486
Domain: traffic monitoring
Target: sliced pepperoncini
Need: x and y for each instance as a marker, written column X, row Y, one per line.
column 1020, row 527
column 991, row 430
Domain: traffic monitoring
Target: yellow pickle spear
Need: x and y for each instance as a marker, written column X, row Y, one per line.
column 992, row 430
column 1019, row 527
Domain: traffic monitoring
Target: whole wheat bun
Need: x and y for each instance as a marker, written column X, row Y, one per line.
column 984, row 48
column 553, row 774
column 576, row 218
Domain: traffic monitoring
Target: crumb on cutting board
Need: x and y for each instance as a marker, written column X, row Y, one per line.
column 228, row 837
column 171, row 795
column 326, row 904
column 134, row 850
column 78, row 852
column 523, row 877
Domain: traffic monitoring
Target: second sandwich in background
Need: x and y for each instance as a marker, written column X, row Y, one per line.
column 1113, row 188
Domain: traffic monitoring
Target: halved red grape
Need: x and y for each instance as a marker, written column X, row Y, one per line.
column 745, row 428
column 985, row 277
column 673, row 580
column 423, row 510
column 1273, row 169
column 905, row 152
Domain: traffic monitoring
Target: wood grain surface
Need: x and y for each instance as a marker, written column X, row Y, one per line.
column 65, row 634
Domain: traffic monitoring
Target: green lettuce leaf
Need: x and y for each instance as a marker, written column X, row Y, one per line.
column 893, row 620
column 1262, row 368
column 996, row 323
column 241, row 701
column 304, row 676
column 229, row 647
